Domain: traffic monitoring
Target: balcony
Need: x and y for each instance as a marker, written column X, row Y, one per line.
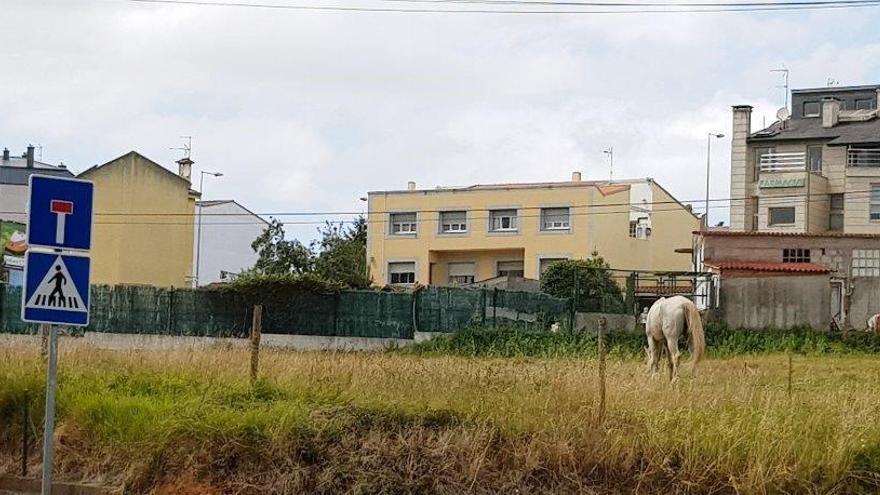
column 784, row 162
column 863, row 157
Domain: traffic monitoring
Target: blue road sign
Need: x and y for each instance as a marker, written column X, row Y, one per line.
column 60, row 213
column 56, row 288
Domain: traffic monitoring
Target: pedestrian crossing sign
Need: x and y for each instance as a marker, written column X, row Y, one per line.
column 56, row 288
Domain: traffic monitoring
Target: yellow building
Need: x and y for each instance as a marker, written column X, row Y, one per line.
column 143, row 232
column 448, row 236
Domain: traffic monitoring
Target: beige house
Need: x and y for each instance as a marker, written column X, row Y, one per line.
column 816, row 170
column 461, row 235
column 144, row 222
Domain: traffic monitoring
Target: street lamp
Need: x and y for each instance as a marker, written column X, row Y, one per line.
column 708, row 162
column 202, row 175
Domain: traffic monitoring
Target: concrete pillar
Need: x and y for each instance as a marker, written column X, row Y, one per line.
column 740, row 172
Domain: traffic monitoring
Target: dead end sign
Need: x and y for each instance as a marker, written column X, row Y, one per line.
column 60, row 213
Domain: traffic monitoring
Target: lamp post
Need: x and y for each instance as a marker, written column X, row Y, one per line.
column 708, row 162
column 199, row 228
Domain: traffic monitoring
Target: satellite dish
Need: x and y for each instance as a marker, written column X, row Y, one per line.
column 783, row 114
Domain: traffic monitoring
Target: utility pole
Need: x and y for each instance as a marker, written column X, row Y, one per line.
column 708, row 166
column 610, row 153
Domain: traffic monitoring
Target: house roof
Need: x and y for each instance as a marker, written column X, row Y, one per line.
column 744, row 233
column 811, row 128
column 126, row 155
column 768, row 266
column 524, row 185
column 16, row 172
column 218, row 202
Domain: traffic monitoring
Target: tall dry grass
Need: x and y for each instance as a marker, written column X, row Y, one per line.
column 391, row 423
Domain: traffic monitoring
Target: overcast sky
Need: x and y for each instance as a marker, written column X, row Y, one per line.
column 306, row 111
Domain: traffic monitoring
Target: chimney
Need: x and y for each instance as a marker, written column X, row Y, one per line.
column 30, row 156
column 575, row 176
column 830, row 111
column 5, row 154
column 411, row 186
column 741, row 170
column 185, row 166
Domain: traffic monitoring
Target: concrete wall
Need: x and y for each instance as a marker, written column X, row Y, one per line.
column 13, row 198
column 130, row 247
column 228, row 230
column 857, row 201
column 865, row 301
column 589, row 322
column 778, row 302
column 740, row 168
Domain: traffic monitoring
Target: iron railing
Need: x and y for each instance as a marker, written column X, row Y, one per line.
column 784, row 162
column 863, row 157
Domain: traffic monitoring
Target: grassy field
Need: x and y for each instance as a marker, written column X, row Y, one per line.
column 190, row 422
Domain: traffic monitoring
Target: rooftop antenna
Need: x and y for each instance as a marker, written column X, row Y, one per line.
column 785, row 72
column 40, row 147
column 610, row 153
column 187, row 146
column 833, row 82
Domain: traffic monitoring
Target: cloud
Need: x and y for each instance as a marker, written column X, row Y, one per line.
column 306, row 111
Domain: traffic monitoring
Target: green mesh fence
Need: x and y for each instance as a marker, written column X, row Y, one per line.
column 150, row 310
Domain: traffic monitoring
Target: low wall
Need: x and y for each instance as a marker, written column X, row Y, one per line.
column 777, row 302
column 865, row 301
column 616, row 322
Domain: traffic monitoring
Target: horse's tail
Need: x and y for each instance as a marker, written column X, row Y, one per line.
column 695, row 327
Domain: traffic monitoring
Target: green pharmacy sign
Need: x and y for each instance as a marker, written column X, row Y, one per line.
column 781, row 183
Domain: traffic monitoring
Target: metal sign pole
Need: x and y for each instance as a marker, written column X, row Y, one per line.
column 49, row 428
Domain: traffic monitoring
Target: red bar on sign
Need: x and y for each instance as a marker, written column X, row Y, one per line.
column 61, row 207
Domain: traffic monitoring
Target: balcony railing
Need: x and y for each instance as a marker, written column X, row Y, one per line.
column 784, row 162
column 863, row 157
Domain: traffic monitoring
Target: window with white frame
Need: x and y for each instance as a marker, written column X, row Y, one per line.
column 403, row 223
column 511, row 269
column 555, row 219
column 502, row 221
column 796, row 255
column 812, row 108
column 866, row 263
column 461, row 273
column 639, row 229
column 874, row 208
column 452, row 222
column 402, row 273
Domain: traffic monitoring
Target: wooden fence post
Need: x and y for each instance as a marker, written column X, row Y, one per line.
column 600, row 341
column 256, row 332
column 790, row 372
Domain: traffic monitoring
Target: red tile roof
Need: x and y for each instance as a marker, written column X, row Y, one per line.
column 744, row 233
column 768, row 266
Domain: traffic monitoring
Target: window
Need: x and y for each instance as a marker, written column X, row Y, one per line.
column 759, row 152
column 874, row 208
column 545, row 263
column 555, row 219
column 502, row 221
column 639, row 229
column 814, row 158
column 835, row 212
column 510, row 269
column 453, row 221
column 812, row 108
column 796, row 255
column 755, row 216
column 864, row 104
column 782, row 215
column 461, row 273
column 402, row 272
column 866, row 263
column 403, row 223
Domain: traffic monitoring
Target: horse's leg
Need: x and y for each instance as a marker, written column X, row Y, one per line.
column 651, row 352
column 674, row 357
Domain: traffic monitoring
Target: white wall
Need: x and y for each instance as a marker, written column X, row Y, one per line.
column 227, row 233
column 13, row 199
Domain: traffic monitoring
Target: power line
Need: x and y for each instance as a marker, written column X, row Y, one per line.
column 622, row 8
column 765, row 199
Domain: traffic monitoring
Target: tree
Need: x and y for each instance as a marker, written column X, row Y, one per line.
column 278, row 256
column 588, row 281
column 342, row 253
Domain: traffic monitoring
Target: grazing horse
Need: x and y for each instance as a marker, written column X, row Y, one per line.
column 666, row 322
column 873, row 323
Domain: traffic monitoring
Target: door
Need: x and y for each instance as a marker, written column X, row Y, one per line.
column 837, row 313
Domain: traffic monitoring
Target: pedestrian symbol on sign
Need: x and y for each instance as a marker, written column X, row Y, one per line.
column 56, row 291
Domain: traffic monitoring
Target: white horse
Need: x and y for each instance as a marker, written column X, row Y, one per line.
column 873, row 322
column 666, row 322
